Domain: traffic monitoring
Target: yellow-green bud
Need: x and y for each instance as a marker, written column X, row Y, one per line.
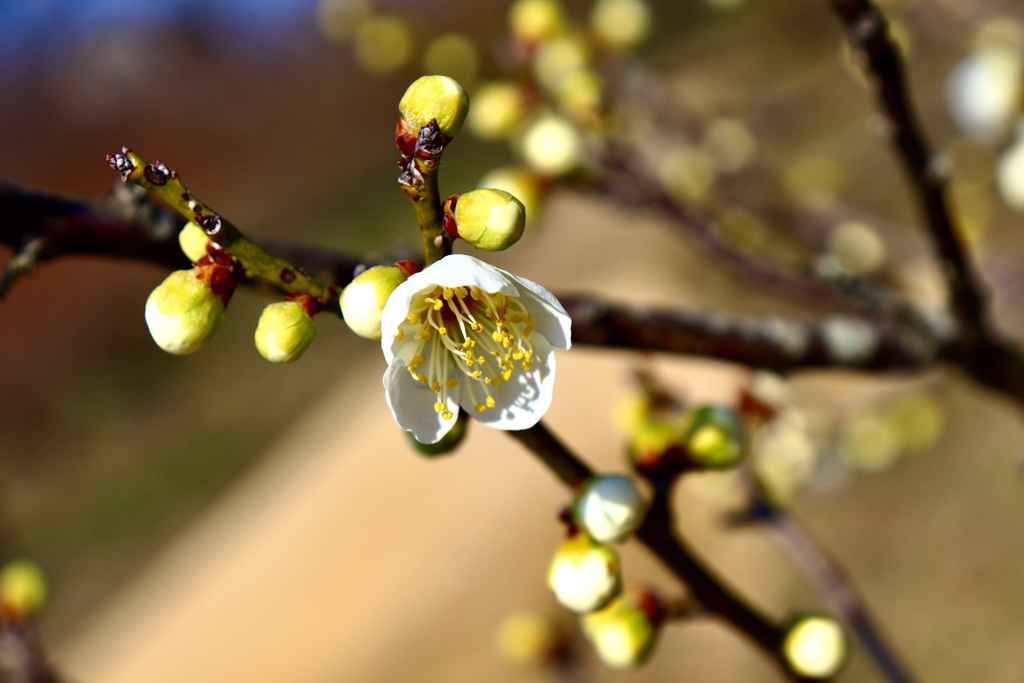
column 362, row 301
column 623, row 633
column 184, row 312
column 532, row 639
column 519, row 182
column 815, row 646
column 435, row 97
column 610, row 508
column 536, row 20
column 22, row 588
column 489, row 219
column 714, row 439
column 552, row 146
column 193, row 240
column 656, row 447
column 584, row 574
column 623, row 24
column 498, row 109
column 284, row 332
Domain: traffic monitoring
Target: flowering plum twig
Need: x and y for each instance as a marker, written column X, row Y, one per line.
column 820, row 568
column 147, row 232
column 258, row 264
column 658, row 534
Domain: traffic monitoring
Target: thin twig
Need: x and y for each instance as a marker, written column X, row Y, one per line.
column 867, row 30
column 831, row 580
column 976, row 346
column 658, row 535
column 766, row 342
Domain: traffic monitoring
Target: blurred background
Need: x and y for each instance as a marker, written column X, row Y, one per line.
column 220, row 518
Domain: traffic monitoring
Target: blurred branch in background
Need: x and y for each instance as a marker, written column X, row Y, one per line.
column 588, row 119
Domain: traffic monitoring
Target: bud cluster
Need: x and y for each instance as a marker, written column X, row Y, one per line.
column 186, row 310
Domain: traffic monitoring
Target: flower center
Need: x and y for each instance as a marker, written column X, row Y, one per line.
column 486, row 336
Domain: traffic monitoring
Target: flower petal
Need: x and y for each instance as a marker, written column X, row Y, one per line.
column 412, row 405
column 550, row 319
column 395, row 311
column 523, row 400
column 462, row 270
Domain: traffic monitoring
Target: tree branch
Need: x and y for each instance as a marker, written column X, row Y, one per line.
column 764, row 342
column 658, row 535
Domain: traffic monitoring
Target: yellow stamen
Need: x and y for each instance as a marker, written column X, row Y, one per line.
column 485, row 335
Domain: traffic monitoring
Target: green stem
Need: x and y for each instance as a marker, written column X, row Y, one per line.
column 258, row 263
column 420, row 161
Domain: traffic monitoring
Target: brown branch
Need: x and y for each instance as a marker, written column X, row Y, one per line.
column 830, row 578
column 977, row 347
column 658, row 535
column 764, row 342
column 22, row 659
column 624, row 182
column 127, row 223
column 867, row 30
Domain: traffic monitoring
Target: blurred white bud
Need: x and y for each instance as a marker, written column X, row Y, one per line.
column 552, row 146
column 1010, row 173
column 857, row 248
column 584, row 574
column 983, row 92
column 610, row 508
column 815, row 647
column 623, row 24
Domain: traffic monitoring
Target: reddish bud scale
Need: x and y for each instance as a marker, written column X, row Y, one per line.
column 653, row 607
column 449, row 216
column 405, row 139
column 754, row 409
column 219, row 271
column 310, row 305
column 409, row 267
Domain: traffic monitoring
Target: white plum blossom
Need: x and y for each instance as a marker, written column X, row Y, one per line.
column 462, row 333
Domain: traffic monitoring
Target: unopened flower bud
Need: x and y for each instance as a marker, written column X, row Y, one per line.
column 284, row 332
column 435, row 97
column 362, row 301
column 498, row 109
column 584, row 574
column 532, row 639
column 656, row 447
column 1010, row 174
column 185, row 311
column 610, row 508
column 714, row 439
column 552, row 146
column 623, row 24
column 488, row 219
column 522, row 184
column 193, row 241
column 815, row 646
column 623, row 633
column 22, row 589
column 535, row 20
